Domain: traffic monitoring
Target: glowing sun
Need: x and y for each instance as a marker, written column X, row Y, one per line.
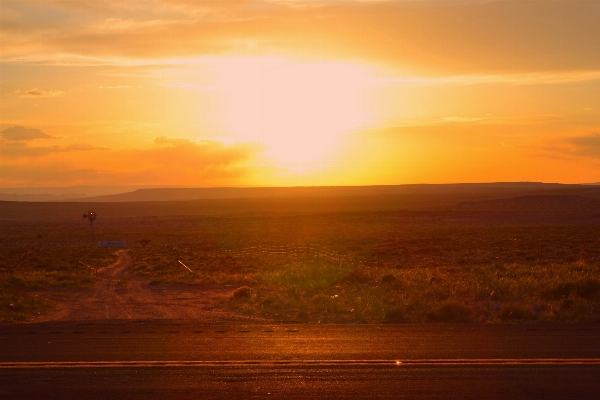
column 298, row 110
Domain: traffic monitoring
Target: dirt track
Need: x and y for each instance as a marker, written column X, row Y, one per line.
column 118, row 295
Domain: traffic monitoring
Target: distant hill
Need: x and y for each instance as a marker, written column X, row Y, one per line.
column 40, row 197
column 58, row 193
column 493, row 198
column 535, row 204
column 465, row 189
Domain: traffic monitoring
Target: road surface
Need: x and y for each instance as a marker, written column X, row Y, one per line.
column 170, row 359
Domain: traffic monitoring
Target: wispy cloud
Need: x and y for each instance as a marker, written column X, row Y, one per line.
column 196, row 154
column 534, row 78
column 585, row 145
column 461, row 119
column 505, row 36
column 443, row 121
column 83, row 147
column 19, row 133
column 35, row 93
column 14, row 142
column 167, row 161
column 115, row 87
column 19, row 150
column 573, row 146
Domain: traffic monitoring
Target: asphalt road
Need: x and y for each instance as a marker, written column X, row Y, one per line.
column 177, row 360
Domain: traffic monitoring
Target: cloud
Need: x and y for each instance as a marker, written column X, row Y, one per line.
column 19, row 150
column 169, row 161
column 17, row 133
column 115, row 87
column 535, row 78
column 585, row 145
column 461, row 119
column 35, row 93
column 441, row 122
column 171, row 152
column 574, row 146
column 83, row 147
column 52, row 174
column 458, row 37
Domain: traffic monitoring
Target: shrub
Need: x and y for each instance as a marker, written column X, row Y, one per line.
column 394, row 316
column 357, row 276
column 575, row 309
column 302, row 316
column 567, row 304
column 241, row 293
column 515, row 312
column 320, row 302
column 588, row 289
column 450, row 311
column 20, row 306
column 560, row 291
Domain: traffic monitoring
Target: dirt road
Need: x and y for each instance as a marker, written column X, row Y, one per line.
column 119, row 295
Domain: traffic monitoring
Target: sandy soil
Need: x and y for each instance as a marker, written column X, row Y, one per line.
column 119, row 295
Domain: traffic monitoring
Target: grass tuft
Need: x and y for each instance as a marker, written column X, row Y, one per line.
column 560, row 291
column 241, row 293
column 395, row 316
column 588, row 289
column 451, row 311
column 516, row 312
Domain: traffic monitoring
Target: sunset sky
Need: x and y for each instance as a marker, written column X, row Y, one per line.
column 298, row 92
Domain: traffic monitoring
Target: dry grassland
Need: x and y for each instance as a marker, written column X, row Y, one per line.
column 469, row 263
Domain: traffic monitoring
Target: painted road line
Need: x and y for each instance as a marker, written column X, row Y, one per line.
column 274, row 363
column 503, row 361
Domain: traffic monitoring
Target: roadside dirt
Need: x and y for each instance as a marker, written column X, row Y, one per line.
column 119, row 295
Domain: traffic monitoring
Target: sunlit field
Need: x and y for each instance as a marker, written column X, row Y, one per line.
column 460, row 263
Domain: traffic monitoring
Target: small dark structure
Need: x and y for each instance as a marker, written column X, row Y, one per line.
column 91, row 216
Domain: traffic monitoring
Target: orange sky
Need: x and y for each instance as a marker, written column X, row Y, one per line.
column 298, row 92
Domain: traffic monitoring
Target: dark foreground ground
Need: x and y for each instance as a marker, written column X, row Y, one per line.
column 170, row 359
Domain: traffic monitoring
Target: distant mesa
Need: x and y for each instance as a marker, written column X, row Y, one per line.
column 187, row 194
column 523, row 200
column 40, row 197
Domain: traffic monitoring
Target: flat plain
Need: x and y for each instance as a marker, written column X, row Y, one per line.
column 528, row 254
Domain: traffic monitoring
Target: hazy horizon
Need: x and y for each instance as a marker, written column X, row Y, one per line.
column 92, row 191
